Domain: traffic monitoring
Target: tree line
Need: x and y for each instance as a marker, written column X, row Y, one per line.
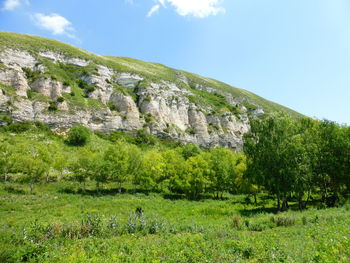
column 186, row 170
column 299, row 157
column 291, row 159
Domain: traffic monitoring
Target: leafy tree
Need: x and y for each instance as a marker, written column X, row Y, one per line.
column 78, row 136
column 174, row 170
column 32, row 168
column 333, row 158
column 190, row 150
column 80, row 166
column 60, row 162
column 122, row 160
column 223, row 174
column 151, row 170
column 268, row 147
column 7, row 159
column 196, row 179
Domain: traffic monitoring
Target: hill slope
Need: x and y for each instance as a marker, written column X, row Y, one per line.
column 61, row 85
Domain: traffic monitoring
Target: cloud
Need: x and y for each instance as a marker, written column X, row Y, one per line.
column 10, row 5
column 153, row 10
column 56, row 24
column 196, row 8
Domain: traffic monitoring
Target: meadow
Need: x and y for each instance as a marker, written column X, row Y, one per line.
column 60, row 223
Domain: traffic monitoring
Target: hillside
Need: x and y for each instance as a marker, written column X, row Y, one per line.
column 62, row 86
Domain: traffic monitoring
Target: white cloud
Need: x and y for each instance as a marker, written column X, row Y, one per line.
column 56, row 24
column 196, row 8
column 10, row 5
column 153, row 10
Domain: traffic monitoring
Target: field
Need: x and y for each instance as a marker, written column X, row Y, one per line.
column 59, row 223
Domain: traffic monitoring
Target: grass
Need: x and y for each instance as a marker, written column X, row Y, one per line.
column 152, row 72
column 170, row 230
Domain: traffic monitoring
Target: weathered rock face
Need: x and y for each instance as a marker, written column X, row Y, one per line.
column 50, row 88
column 162, row 108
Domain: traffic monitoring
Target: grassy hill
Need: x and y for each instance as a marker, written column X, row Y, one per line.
column 151, row 71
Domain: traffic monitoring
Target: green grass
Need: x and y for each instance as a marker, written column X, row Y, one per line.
column 152, row 72
column 186, row 231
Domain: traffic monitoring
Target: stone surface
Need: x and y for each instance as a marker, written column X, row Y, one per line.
column 162, row 108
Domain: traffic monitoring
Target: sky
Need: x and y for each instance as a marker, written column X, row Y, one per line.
column 293, row 52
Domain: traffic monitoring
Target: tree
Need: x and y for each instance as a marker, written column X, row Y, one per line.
column 196, row 179
column 151, row 170
column 174, row 170
column 190, row 150
column 60, row 163
column 7, row 159
column 269, row 149
column 223, row 174
column 333, row 158
column 122, row 160
column 32, row 169
column 80, row 166
column 78, row 136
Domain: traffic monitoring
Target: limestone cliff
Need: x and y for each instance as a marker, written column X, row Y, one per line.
column 62, row 90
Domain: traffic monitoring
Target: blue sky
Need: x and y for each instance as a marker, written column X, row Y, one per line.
column 295, row 52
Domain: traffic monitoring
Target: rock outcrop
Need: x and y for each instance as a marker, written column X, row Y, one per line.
column 119, row 101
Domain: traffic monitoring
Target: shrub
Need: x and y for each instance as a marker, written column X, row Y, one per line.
column 112, row 106
column 6, row 119
column 41, row 126
column 304, row 220
column 236, row 222
column 283, row 220
column 53, row 106
column 60, row 99
column 19, row 127
column 90, row 89
column 191, row 131
column 78, row 136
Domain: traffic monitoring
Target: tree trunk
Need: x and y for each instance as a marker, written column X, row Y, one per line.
column 120, row 187
column 284, row 203
column 300, row 201
column 308, row 198
column 83, row 186
column 278, row 202
column 255, row 201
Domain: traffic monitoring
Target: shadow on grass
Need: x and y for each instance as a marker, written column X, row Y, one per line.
column 103, row 192
column 258, row 210
column 12, row 190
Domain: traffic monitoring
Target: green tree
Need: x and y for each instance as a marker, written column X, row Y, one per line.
column 196, row 180
column 269, row 149
column 174, row 170
column 190, row 150
column 122, row 161
column 151, row 170
column 223, row 173
column 333, row 158
column 80, row 166
column 78, row 136
column 7, row 159
column 31, row 167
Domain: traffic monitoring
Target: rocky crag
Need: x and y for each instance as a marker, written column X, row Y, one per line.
column 62, row 86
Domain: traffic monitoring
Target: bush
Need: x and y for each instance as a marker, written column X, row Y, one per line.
column 19, row 127
column 53, row 106
column 236, row 222
column 112, row 106
column 60, row 99
column 283, row 220
column 78, row 136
